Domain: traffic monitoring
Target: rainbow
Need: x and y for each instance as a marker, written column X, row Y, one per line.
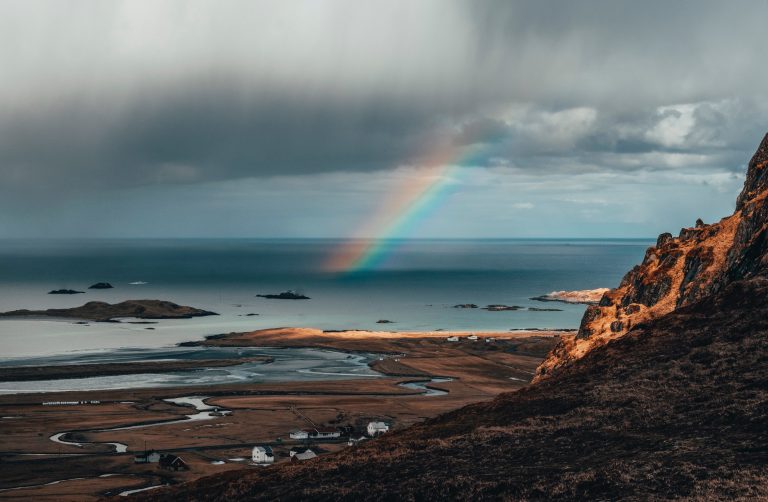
column 402, row 210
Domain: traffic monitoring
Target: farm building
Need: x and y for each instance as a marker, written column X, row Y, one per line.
column 298, row 454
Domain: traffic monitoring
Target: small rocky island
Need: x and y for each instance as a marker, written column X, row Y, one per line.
column 101, row 285
column 500, row 308
column 65, row 292
column 106, row 312
column 586, row 296
column 285, row 295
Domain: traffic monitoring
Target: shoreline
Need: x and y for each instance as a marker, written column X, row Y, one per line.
column 478, row 371
column 386, row 344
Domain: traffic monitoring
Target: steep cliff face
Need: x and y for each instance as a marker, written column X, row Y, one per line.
column 679, row 271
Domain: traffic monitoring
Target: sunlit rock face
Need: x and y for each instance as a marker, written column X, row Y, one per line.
column 679, row 271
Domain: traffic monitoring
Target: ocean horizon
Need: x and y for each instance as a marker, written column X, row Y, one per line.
column 415, row 286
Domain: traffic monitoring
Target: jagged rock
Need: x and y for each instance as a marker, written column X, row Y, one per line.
column 680, row 271
column 605, row 301
column 756, row 182
column 687, row 234
column 465, row 306
column 590, row 315
column 663, row 239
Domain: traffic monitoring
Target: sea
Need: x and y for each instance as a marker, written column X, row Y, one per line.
column 415, row 287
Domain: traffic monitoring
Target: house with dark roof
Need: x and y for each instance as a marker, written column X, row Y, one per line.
column 171, row 462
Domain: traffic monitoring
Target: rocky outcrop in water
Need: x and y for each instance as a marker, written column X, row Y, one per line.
column 65, row 292
column 587, row 296
column 678, row 271
column 101, row 311
column 100, row 285
column 285, row 295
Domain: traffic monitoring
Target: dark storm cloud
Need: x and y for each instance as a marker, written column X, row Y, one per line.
column 99, row 94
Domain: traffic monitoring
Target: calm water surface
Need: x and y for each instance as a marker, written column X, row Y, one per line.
column 416, row 286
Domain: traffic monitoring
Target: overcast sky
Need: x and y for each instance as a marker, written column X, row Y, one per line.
column 300, row 118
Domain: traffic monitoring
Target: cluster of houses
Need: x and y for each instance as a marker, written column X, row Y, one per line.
column 473, row 337
column 265, row 455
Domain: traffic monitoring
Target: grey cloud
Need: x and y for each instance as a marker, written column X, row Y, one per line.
column 98, row 95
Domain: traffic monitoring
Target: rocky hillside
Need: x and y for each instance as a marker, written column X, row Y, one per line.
column 679, row 271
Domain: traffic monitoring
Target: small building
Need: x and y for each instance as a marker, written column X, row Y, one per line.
column 315, row 433
column 299, row 434
column 472, row 337
column 376, row 428
column 172, row 463
column 452, row 339
column 323, row 433
column 262, row 455
column 490, row 339
column 148, row 457
column 299, row 454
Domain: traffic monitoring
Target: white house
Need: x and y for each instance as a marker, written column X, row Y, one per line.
column 262, row 455
column 453, row 339
column 299, row 434
column 298, row 454
column 376, row 428
column 472, row 337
